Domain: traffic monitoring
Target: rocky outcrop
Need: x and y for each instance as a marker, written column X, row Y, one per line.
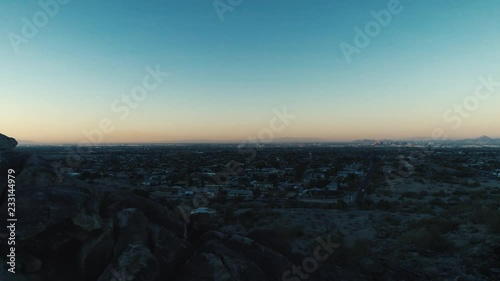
column 216, row 262
column 170, row 251
column 202, row 223
column 70, row 230
column 7, row 143
column 136, row 263
column 113, row 202
column 131, row 227
column 96, row 252
column 271, row 239
column 206, row 266
column 234, row 257
column 10, row 160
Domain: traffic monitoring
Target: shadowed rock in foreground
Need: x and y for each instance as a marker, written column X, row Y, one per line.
column 7, row 143
column 71, row 230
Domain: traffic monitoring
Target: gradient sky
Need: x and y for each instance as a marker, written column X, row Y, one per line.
column 226, row 77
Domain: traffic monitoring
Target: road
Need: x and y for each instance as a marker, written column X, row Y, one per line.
column 363, row 187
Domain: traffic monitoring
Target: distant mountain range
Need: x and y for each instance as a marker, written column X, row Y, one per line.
column 483, row 140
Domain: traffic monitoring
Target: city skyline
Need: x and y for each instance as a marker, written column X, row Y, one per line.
column 344, row 70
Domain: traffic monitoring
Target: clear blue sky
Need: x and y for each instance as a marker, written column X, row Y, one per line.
column 226, row 77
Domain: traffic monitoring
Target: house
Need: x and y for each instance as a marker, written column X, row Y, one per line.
column 294, row 185
column 203, row 210
column 349, row 199
column 347, row 172
column 186, row 192
column 240, row 193
column 270, row 170
column 160, row 194
column 313, row 176
column 291, row 195
column 262, row 185
column 206, row 191
column 332, row 187
column 389, row 169
column 311, row 192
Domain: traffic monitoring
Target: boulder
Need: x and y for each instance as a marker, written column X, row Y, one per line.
column 53, row 206
column 10, row 160
column 30, row 264
column 212, row 235
column 7, row 143
column 13, row 160
column 6, row 275
column 465, row 278
column 170, row 251
column 372, row 266
column 271, row 239
column 234, row 258
column 136, row 263
column 273, row 264
column 203, row 222
column 95, row 253
column 114, row 201
column 206, row 266
column 132, row 227
column 45, row 200
column 237, row 264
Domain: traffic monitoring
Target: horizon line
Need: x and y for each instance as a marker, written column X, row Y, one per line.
column 310, row 140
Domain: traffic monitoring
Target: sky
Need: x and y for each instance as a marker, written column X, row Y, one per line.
column 74, row 71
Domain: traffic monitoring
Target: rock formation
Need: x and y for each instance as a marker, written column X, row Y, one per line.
column 7, row 143
column 71, row 230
